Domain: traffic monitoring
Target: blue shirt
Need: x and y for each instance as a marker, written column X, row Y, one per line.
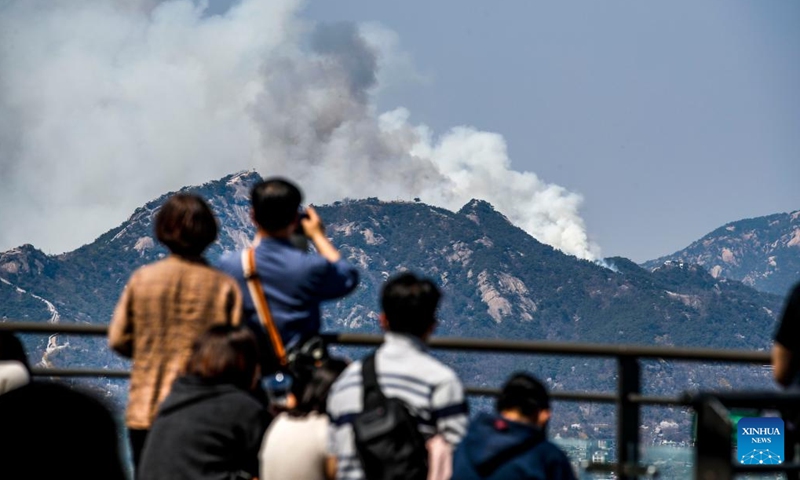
column 295, row 283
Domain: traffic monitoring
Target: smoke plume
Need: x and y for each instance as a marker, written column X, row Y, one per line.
column 105, row 105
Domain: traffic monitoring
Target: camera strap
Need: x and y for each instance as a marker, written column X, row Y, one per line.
column 260, row 302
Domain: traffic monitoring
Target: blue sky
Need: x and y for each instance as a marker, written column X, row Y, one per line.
column 671, row 119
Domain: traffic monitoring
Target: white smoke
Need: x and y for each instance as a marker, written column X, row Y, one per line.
column 105, row 105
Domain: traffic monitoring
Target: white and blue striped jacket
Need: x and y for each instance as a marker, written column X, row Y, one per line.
column 406, row 371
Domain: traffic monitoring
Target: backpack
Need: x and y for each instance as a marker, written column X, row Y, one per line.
column 388, row 441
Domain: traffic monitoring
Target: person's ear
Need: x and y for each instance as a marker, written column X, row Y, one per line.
column 383, row 321
column 544, row 417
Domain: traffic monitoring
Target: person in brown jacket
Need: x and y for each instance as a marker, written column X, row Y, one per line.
column 166, row 306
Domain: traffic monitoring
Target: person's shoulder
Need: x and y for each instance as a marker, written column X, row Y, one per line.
column 437, row 372
column 416, row 358
column 350, row 376
column 13, row 374
column 243, row 402
column 343, row 392
column 553, row 452
column 314, row 261
column 290, row 257
column 312, row 421
column 790, row 315
column 351, row 373
column 148, row 271
column 243, row 408
column 344, row 265
column 37, row 393
column 794, row 293
column 202, row 269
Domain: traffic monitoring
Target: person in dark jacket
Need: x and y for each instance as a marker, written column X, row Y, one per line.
column 513, row 445
column 786, row 370
column 50, row 430
column 211, row 424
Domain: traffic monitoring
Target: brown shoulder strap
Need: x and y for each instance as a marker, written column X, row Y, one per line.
column 260, row 302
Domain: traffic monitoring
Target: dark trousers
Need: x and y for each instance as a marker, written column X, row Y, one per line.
column 136, row 438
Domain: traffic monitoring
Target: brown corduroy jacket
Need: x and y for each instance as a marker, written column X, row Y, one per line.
column 164, row 308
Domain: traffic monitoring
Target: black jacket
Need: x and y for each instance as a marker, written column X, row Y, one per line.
column 204, row 431
column 499, row 449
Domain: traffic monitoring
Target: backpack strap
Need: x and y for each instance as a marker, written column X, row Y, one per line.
column 260, row 302
column 486, row 469
column 373, row 397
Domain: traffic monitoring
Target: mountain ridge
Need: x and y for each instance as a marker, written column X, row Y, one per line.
column 477, row 239
column 498, row 282
column 762, row 252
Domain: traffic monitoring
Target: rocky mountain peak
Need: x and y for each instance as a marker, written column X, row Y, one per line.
column 762, row 252
column 23, row 260
column 482, row 211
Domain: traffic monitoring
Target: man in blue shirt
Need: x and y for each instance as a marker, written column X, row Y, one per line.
column 294, row 281
column 513, row 445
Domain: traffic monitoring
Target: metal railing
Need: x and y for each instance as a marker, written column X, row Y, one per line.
column 627, row 397
column 715, row 431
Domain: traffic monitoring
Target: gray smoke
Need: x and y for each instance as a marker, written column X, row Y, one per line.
column 342, row 44
column 105, row 105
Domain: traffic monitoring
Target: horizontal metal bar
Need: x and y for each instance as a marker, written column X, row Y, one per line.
column 654, row 400
column 79, row 372
column 475, row 344
column 475, row 391
column 784, row 467
column 584, row 397
column 564, row 348
column 482, row 391
column 745, row 399
column 562, row 396
column 66, row 328
column 628, row 469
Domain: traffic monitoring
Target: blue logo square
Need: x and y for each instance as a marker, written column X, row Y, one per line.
column 759, row 441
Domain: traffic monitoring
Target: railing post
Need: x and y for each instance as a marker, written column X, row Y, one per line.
column 713, row 442
column 628, row 382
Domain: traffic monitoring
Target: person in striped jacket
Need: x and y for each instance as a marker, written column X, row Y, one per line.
column 405, row 370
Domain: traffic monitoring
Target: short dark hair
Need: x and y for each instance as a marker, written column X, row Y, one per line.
column 409, row 303
column 525, row 393
column 11, row 349
column 185, row 224
column 225, row 354
column 275, row 203
column 313, row 396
